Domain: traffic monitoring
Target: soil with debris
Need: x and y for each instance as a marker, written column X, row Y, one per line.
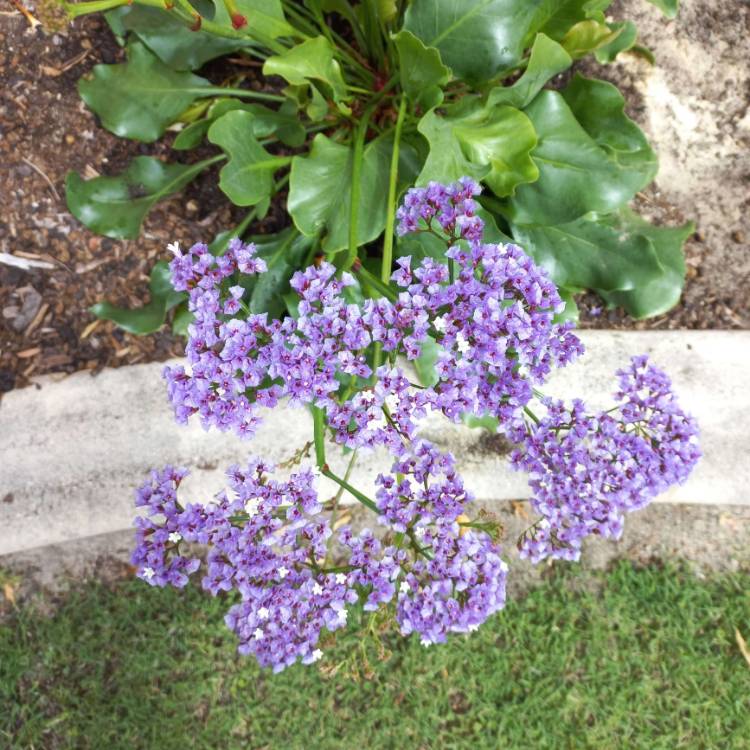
column 693, row 104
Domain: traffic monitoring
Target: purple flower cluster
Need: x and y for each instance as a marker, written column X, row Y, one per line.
column 492, row 313
column 451, row 207
column 494, row 324
column 587, row 470
column 268, row 542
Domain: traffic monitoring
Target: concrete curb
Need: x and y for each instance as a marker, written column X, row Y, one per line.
column 73, row 449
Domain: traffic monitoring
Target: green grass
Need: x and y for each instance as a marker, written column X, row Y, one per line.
column 636, row 658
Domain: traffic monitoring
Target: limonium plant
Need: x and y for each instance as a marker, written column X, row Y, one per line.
column 274, row 543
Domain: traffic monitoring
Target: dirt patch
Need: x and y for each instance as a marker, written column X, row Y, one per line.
column 46, row 131
column 693, row 104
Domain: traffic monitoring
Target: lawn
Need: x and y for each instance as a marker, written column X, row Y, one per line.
column 634, row 658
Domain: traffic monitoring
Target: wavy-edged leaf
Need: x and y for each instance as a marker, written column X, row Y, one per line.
column 624, row 41
column 669, row 8
column 599, row 108
column 138, row 99
column 547, row 59
column 285, row 126
column 116, row 206
column 576, row 175
column 587, row 36
column 421, row 70
column 486, row 142
column 310, row 62
column 247, row 178
column 628, row 261
column 150, row 317
column 265, row 18
column 320, row 189
column 662, row 292
column 170, row 38
column 477, row 39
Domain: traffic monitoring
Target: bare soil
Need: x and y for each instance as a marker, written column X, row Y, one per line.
column 693, row 104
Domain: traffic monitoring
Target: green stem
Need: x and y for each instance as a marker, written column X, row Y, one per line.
column 366, row 501
column 226, row 91
column 390, row 221
column 337, row 500
column 375, row 282
column 359, row 147
column 319, row 432
column 75, row 10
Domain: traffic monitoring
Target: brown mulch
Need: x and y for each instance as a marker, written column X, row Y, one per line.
column 45, row 131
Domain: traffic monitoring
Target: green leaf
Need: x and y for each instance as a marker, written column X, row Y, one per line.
column 247, row 178
column 625, row 259
column 477, row 39
column 170, row 38
column 623, row 42
column 191, row 136
column 181, row 319
column 587, row 36
column 387, row 10
column 310, row 62
column 422, row 71
column 668, row 7
column 576, row 175
column 265, row 18
column 138, row 99
column 266, row 122
column 560, row 15
column 547, row 59
column 282, row 123
column 425, row 363
column 320, row 190
column 150, row 317
column 116, row 206
column 662, row 292
column 284, row 254
column 487, row 142
column 600, row 109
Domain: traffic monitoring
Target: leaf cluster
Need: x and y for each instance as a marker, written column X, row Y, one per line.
column 358, row 101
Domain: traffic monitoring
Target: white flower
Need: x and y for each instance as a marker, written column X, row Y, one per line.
column 462, row 344
column 340, row 578
column 404, row 587
column 148, row 573
column 263, row 613
column 343, row 614
column 251, row 506
column 174, row 248
column 283, row 572
column 175, row 537
column 317, row 589
column 426, row 643
column 317, row 654
column 419, row 532
column 439, row 324
column 258, row 634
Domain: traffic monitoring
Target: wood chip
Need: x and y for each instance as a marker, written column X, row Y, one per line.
column 28, row 353
column 25, row 264
column 38, row 318
column 89, row 329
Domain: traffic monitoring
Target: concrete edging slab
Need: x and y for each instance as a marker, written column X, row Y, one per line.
column 73, row 449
